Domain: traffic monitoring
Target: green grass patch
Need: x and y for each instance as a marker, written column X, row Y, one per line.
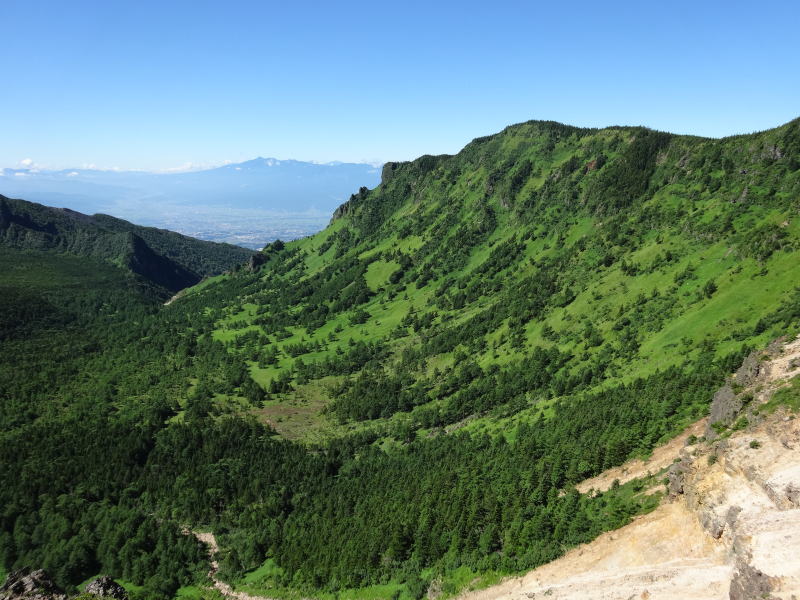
column 788, row 397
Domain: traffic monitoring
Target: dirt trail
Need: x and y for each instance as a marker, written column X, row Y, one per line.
column 175, row 297
column 223, row 588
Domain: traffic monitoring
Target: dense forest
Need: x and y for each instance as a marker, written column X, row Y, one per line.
column 409, row 396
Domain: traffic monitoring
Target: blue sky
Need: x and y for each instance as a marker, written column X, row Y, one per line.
column 157, row 85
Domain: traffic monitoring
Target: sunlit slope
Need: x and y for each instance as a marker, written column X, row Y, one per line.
column 536, row 264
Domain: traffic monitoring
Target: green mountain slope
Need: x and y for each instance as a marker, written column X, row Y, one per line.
column 620, row 252
column 411, row 395
column 170, row 260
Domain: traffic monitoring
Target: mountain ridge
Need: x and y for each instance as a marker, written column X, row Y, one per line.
column 158, row 255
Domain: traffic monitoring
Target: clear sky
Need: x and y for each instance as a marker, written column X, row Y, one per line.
column 157, row 85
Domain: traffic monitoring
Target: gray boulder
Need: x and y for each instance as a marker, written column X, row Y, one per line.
column 105, row 587
column 676, row 475
column 747, row 373
column 749, row 583
column 724, row 408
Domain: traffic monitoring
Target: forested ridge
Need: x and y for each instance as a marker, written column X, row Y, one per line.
column 410, row 395
column 164, row 258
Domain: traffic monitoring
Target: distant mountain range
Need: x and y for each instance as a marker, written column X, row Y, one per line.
column 248, row 203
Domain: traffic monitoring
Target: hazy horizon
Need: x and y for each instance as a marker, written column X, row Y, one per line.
column 249, row 204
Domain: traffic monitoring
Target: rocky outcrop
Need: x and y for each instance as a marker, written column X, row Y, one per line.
column 743, row 488
column 38, row 585
column 347, row 207
column 748, row 372
column 724, row 407
column 748, row 583
column 388, row 171
column 256, row 261
column 732, row 397
column 33, row 585
column 105, row 587
column 675, row 475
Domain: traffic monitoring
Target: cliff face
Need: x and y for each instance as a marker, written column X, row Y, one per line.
column 745, row 489
column 730, row 525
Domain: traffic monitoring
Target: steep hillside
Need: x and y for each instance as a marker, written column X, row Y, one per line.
column 589, row 257
column 170, row 260
column 583, row 289
column 407, row 402
column 578, row 293
column 731, row 527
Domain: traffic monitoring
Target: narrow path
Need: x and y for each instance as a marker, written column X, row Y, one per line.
column 222, row 587
column 175, row 297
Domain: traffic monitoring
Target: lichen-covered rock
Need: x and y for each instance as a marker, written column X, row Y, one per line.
column 732, row 515
column 34, row 585
column 712, row 523
column 747, row 373
column 676, row 475
column 793, row 494
column 105, row 587
column 724, row 408
column 749, row 583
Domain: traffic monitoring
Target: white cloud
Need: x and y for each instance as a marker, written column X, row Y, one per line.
column 30, row 165
column 73, row 174
column 187, row 166
column 193, row 166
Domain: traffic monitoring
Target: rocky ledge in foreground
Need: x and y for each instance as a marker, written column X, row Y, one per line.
column 33, row 585
column 38, row 585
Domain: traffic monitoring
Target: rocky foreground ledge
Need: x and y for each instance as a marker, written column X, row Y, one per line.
column 38, row 585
